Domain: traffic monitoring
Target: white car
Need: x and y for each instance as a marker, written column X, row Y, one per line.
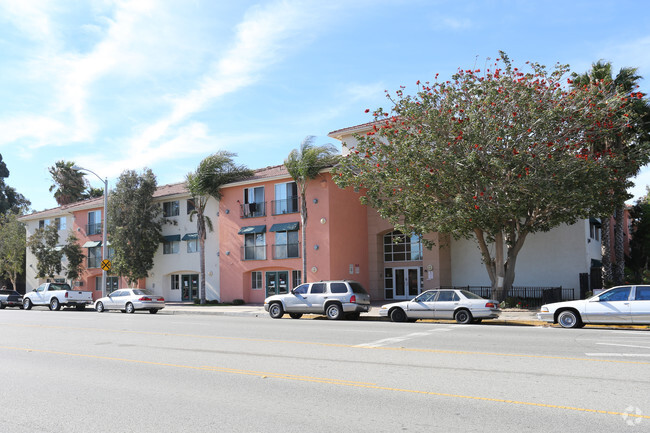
column 129, row 300
column 622, row 305
column 460, row 305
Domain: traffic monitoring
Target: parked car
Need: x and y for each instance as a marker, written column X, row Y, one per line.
column 129, row 300
column 622, row 305
column 335, row 299
column 10, row 298
column 460, row 305
column 56, row 295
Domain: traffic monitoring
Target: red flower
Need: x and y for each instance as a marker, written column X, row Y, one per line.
column 367, row 110
column 476, row 206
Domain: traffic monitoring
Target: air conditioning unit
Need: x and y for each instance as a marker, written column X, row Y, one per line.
column 78, row 283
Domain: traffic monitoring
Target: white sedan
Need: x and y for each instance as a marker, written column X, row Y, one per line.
column 460, row 305
column 623, row 305
column 129, row 300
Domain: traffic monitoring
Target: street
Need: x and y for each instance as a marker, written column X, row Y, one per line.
column 80, row 371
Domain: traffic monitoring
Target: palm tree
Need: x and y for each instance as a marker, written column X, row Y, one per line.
column 303, row 165
column 69, row 184
column 212, row 173
column 623, row 86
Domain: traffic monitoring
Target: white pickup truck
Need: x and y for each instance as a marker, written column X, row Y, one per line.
column 56, row 295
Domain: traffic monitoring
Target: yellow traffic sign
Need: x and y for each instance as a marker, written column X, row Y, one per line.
column 106, row 265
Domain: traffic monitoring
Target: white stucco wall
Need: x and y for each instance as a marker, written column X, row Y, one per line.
column 165, row 265
column 555, row 258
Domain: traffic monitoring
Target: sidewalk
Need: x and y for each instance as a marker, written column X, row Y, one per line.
column 508, row 316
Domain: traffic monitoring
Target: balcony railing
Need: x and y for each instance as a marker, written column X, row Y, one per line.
column 252, row 210
column 253, row 252
column 287, row 205
column 94, row 229
column 286, row 251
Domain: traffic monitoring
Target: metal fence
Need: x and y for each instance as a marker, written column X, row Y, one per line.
column 524, row 297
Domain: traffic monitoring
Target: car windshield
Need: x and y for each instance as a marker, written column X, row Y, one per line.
column 470, row 295
column 8, row 292
column 142, row 292
column 358, row 288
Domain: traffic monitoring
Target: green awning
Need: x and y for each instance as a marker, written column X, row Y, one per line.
column 252, row 229
column 172, row 238
column 595, row 221
column 285, row 227
column 190, row 236
column 91, row 244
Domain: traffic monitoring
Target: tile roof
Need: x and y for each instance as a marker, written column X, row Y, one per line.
column 351, row 129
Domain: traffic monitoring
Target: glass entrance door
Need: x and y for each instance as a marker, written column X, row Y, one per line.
column 407, row 282
column 277, row 282
column 189, row 286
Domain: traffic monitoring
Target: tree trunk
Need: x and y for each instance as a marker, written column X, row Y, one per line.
column 619, row 247
column 606, row 252
column 201, row 234
column 303, row 223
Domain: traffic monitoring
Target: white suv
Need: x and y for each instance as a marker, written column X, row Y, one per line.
column 335, row 299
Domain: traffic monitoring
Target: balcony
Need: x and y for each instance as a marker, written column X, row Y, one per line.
column 253, row 210
column 286, row 251
column 284, row 206
column 253, row 252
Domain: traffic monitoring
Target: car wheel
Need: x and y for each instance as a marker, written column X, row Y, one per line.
column 27, row 304
column 99, row 307
column 129, row 308
column 2, row 306
column 295, row 315
column 55, row 305
column 276, row 311
column 569, row 319
column 397, row 315
column 153, row 311
column 463, row 317
column 334, row 311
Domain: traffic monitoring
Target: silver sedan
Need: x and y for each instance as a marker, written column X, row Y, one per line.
column 460, row 305
column 129, row 300
column 623, row 305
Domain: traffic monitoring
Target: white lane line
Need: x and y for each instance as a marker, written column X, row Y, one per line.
column 624, row 345
column 621, row 355
column 391, row 340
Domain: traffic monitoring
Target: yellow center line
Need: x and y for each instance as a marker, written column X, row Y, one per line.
column 347, row 346
column 338, row 382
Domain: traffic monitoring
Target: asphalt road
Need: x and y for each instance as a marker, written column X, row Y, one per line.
column 73, row 371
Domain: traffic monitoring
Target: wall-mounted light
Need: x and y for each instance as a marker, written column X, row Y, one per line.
column 227, row 253
column 315, row 200
column 210, row 273
column 323, row 220
column 316, row 247
column 314, row 269
column 227, row 211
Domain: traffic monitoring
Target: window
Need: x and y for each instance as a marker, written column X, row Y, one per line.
column 256, row 280
column 176, row 282
column 255, row 246
column 619, row 294
column 642, row 293
column 286, row 245
column 317, row 288
column 190, row 206
column 338, row 288
column 171, row 246
column 254, row 205
column 43, row 223
column 94, row 257
column 94, row 226
column 60, row 223
column 296, row 278
column 286, row 198
column 112, row 284
column 301, row 289
column 388, row 283
column 171, row 209
column 193, row 246
column 447, row 296
column 401, row 248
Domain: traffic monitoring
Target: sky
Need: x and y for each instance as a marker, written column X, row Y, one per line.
column 122, row 85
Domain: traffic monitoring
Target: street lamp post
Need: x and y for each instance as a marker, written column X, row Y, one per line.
column 104, row 224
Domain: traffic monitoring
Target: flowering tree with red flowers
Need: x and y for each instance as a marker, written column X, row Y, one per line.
column 495, row 155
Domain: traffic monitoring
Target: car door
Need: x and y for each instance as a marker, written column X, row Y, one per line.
column 110, row 302
column 296, row 301
column 317, row 296
column 445, row 304
column 640, row 306
column 40, row 295
column 613, row 306
column 422, row 306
